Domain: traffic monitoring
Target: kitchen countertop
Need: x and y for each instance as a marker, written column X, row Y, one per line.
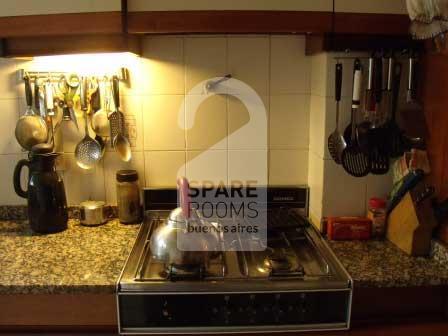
column 382, row 264
column 78, row 260
column 89, row 260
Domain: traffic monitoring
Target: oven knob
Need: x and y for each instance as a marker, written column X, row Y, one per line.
column 166, row 314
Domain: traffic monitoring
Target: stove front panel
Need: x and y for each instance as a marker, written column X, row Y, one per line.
column 231, row 312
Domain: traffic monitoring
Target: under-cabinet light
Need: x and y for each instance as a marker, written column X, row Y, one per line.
column 86, row 64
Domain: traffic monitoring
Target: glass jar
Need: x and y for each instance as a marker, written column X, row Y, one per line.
column 377, row 214
column 128, row 197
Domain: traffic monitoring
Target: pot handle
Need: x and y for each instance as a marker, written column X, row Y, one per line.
column 16, row 178
column 184, row 197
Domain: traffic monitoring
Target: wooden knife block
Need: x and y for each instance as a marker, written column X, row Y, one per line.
column 411, row 223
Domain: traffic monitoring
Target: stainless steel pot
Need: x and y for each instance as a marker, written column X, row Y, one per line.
column 175, row 245
column 93, row 213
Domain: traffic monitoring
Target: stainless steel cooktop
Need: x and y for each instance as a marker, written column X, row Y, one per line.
column 294, row 282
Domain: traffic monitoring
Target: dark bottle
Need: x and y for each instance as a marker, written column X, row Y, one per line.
column 47, row 204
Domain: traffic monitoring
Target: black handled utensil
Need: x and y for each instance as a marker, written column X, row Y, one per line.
column 336, row 142
column 379, row 157
column 394, row 133
column 362, row 129
column 355, row 161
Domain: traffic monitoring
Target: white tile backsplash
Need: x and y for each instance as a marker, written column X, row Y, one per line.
column 208, row 119
column 112, row 164
column 344, row 195
column 243, row 134
column 248, row 60
column 161, row 117
column 163, row 167
column 209, row 165
column 8, row 119
column 290, row 68
column 288, row 167
column 286, row 146
column 289, row 121
column 80, row 184
column 7, row 165
column 162, row 66
column 9, row 85
column 248, row 165
column 205, row 57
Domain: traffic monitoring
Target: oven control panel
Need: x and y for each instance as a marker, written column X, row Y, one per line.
column 248, row 310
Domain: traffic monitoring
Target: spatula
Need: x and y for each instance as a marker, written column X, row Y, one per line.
column 355, row 161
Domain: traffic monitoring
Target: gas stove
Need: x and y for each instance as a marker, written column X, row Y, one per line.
column 292, row 282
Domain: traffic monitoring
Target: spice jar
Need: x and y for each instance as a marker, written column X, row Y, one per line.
column 128, row 197
column 377, row 214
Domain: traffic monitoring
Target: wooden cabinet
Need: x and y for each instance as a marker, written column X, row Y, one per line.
column 231, row 16
column 385, row 17
column 45, row 7
column 246, row 5
column 371, row 6
column 59, row 17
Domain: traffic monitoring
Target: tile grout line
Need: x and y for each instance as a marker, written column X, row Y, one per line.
column 268, row 116
column 227, row 111
column 184, row 62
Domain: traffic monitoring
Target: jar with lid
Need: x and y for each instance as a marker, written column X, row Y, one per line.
column 128, row 197
column 377, row 214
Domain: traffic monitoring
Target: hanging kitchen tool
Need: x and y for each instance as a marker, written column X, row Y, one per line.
column 336, row 142
column 354, row 159
column 412, row 116
column 37, row 98
column 94, row 94
column 362, row 129
column 68, row 87
column 394, row 133
column 379, row 157
column 119, row 141
column 49, row 106
column 100, row 117
column 30, row 128
column 348, row 130
column 116, row 116
column 88, row 151
column 383, row 115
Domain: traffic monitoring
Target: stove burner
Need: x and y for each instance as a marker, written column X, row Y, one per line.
column 278, row 262
column 182, row 272
column 283, row 263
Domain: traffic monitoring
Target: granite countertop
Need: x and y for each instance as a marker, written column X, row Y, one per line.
column 78, row 260
column 382, row 264
column 90, row 259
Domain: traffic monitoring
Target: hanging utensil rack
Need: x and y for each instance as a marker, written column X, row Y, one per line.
column 55, row 76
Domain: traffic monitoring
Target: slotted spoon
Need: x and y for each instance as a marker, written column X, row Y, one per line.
column 336, row 142
column 119, row 141
column 355, row 160
column 88, row 152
